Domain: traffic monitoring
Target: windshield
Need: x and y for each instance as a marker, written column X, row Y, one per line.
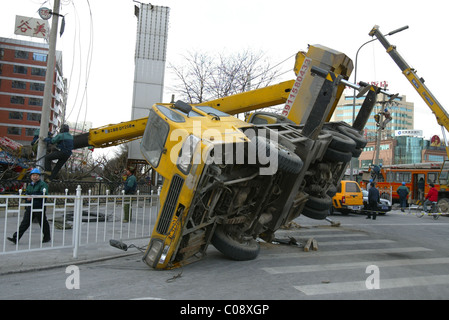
column 153, row 140
column 212, row 111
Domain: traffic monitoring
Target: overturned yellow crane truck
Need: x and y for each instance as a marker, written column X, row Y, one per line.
column 229, row 182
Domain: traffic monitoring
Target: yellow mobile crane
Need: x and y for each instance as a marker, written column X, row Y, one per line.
column 438, row 110
column 228, row 182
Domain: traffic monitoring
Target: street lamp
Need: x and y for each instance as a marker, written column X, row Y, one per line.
column 355, row 81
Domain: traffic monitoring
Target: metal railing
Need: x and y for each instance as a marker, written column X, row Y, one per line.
column 76, row 220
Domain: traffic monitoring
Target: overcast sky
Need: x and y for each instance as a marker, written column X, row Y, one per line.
column 278, row 28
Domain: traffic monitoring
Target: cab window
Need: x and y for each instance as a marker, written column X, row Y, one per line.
column 212, row 111
column 153, row 140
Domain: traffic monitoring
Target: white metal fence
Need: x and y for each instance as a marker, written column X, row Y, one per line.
column 76, row 220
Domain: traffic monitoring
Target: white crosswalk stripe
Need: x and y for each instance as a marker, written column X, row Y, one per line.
column 354, row 265
column 354, row 286
column 338, row 243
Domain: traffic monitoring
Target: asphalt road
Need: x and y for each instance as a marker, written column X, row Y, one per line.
column 397, row 256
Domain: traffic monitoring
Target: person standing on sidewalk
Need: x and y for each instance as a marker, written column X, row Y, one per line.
column 373, row 200
column 36, row 187
column 130, row 188
column 403, row 192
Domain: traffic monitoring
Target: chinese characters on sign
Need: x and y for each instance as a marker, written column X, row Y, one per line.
column 31, row 27
column 417, row 133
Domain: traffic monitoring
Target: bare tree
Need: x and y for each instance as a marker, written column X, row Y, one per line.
column 203, row 77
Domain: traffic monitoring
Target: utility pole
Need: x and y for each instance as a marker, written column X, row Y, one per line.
column 379, row 131
column 48, row 91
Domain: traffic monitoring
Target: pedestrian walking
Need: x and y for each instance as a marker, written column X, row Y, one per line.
column 36, row 187
column 403, row 192
column 373, row 200
column 130, row 188
column 432, row 196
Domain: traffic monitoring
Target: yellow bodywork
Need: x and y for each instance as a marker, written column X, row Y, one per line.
column 211, row 132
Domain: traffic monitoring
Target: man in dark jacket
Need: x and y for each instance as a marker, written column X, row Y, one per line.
column 403, row 192
column 64, row 147
column 36, row 187
column 373, row 200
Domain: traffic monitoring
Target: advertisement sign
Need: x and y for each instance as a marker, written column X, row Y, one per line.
column 26, row 26
column 415, row 133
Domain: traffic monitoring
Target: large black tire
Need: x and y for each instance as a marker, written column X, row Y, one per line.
column 232, row 248
column 337, row 156
column 340, row 141
column 287, row 161
column 319, row 204
column 359, row 140
column 315, row 214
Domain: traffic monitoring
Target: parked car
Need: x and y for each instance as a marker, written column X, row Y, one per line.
column 349, row 197
column 383, row 207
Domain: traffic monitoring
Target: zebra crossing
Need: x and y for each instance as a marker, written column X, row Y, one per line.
column 343, row 258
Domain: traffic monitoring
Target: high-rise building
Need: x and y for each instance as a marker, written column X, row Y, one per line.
column 23, row 65
column 401, row 110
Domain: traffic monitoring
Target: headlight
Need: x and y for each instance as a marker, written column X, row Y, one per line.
column 153, row 253
column 187, row 150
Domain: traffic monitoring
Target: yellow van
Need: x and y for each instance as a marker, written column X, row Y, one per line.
column 349, row 197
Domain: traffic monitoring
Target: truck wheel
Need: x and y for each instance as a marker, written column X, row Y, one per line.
column 232, row 248
column 337, row 156
column 288, row 161
column 315, row 214
column 319, row 203
column 443, row 204
column 354, row 135
column 340, row 141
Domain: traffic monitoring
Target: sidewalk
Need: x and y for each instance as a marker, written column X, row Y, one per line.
column 53, row 258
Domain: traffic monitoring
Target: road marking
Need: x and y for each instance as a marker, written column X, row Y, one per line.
column 353, row 265
column 290, row 234
column 342, row 287
column 302, row 254
column 338, row 243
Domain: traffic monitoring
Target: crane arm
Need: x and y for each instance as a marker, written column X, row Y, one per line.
column 252, row 100
column 418, row 83
column 112, row 134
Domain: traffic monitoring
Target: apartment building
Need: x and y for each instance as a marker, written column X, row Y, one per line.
column 23, row 66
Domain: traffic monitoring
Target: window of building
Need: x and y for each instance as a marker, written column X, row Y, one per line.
column 39, row 57
column 20, row 69
column 35, row 102
column 37, row 86
column 14, row 131
column 38, row 72
column 29, row 132
column 18, row 84
column 15, row 115
column 17, row 100
column 33, row 116
column 21, row 54
column 435, row 158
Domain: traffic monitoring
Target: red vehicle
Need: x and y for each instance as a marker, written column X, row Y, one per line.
column 391, row 177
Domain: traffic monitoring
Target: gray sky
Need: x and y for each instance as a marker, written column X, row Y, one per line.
column 279, row 28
